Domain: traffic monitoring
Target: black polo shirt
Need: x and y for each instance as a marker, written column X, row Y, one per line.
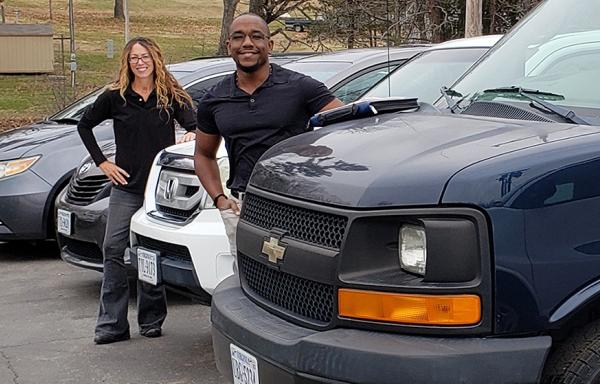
column 250, row 124
column 141, row 131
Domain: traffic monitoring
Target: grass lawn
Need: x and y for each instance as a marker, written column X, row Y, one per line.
column 185, row 29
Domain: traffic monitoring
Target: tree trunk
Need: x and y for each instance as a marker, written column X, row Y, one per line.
column 119, row 13
column 257, row 7
column 351, row 40
column 229, row 7
column 473, row 23
column 436, row 19
column 492, row 28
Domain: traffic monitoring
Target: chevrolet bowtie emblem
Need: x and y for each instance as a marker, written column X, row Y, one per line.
column 272, row 249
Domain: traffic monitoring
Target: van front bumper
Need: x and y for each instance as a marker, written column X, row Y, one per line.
column 287, row 353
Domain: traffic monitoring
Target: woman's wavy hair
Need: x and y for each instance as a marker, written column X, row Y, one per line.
column 167, row 88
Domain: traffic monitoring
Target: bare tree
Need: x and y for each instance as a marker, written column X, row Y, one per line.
column 500, row 15
column 118, row 11
column 257, row 7
column 270, row 10
column 379, row 22
column 229, row 8
column 2, row 18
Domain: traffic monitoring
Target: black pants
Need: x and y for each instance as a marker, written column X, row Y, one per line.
column 114, row 295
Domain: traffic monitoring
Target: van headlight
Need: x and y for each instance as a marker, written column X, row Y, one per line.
column 412, row 248
column 14, row 167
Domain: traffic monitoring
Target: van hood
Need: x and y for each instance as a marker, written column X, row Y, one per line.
column 394, row 160
column 18, row 142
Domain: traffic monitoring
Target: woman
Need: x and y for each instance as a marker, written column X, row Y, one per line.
column 143, row 103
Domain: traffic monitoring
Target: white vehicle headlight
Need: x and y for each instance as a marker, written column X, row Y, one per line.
column 412, row 249
column 14, row 167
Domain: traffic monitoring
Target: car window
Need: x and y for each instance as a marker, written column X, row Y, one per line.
column 356, row 87
column 318, row 70
column 423, row 76
column 198, row 89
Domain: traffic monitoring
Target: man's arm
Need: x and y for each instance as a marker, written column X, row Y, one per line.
column 333, row 104
column 207, row 170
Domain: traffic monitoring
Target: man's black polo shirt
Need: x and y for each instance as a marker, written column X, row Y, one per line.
column 141, row 131
column 250, row 124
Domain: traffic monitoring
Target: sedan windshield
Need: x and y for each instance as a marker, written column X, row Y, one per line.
column 555, row 51
column 75, row 111
column 423, row 76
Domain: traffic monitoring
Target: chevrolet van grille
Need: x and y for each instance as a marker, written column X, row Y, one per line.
column 306, row 298
column 318, row 228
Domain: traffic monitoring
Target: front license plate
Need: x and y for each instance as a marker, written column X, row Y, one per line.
column 63, row 221
column 244, row 366
column 147, row 269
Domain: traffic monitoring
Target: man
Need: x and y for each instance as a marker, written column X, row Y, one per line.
column 257, row 106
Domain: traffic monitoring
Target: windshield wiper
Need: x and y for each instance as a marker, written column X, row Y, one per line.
column 534, row 96
column 65, row 120
column 448, row 94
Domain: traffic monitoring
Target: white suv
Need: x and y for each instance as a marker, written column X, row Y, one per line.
column 179, row 227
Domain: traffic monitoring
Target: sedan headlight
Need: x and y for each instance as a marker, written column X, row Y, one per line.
column 412, row 248
column 14, row 167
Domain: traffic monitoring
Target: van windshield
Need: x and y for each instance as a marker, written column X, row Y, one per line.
column 422, row 77
column 555, row 49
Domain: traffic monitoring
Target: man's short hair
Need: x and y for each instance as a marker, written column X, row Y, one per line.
column 261, row 20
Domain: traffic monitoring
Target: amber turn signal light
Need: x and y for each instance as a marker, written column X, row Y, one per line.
column 410, row 308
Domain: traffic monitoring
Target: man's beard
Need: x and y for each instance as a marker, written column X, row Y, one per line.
column 249, row 68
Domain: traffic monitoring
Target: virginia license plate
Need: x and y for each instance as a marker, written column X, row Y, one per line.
column 63, row 222
column 147, row 269
column 244, row 366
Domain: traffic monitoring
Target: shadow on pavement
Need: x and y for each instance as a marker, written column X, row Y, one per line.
column 28, row 251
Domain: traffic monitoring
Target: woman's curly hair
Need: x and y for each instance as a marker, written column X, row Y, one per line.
column 167, row 88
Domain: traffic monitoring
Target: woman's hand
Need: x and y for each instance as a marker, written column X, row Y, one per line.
column 187, row 137
column 114, row 173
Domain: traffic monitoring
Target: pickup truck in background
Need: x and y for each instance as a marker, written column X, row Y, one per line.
column 297, row 24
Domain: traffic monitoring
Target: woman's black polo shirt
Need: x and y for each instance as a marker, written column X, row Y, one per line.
column 141, row 131
column 250, row 124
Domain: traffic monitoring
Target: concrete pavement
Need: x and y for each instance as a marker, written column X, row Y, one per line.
column 47, row 315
